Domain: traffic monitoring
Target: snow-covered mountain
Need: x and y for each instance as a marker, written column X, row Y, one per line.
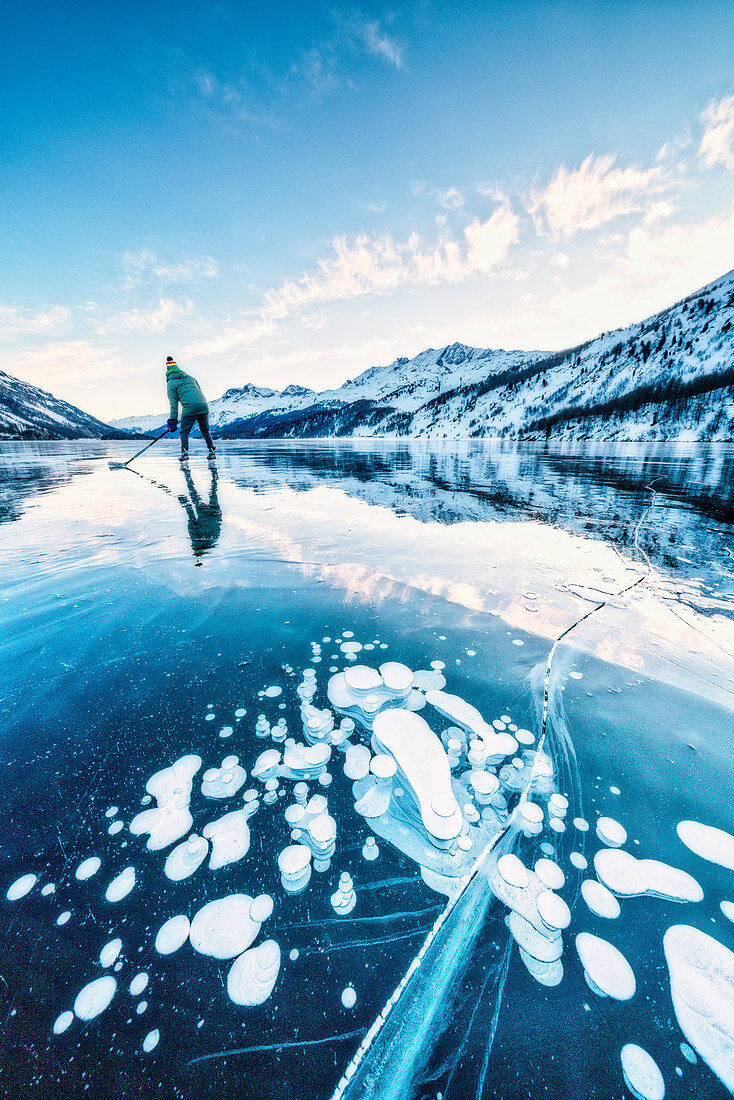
column 668, row 377
column 27, row 412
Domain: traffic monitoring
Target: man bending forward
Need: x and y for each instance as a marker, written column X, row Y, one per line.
column 183, row 389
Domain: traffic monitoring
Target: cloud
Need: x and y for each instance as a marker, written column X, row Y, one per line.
column 144, row 266
column 591, row 195
column 451, row 199
column 717, row 141
column 157, row 318
column 378, row 43
column 366, row 266
column 75, row 360
column 19, row 321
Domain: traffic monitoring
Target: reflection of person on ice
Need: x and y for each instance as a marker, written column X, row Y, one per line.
column 205, row 518
column 185, row 391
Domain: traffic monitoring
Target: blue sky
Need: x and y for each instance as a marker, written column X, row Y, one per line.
column 291, row 192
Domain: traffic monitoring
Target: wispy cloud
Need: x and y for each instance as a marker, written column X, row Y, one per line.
column 19, row 321
column 717, row 141
column 366, row 266
column 380, row 44
column 156, row 318
column 593, row 194
column 144, row 266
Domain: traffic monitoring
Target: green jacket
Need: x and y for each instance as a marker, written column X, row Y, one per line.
column 184, row 389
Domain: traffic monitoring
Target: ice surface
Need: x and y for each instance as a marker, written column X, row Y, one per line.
column 172, row 935
column 714, row 845
column 606, row 969
column 702, row 987
column 641, row 1073
column 224, row 928
column 253, row 975
column 95, row 997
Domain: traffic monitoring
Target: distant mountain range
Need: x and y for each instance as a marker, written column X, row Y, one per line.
column 668, row 377
column 27, row 412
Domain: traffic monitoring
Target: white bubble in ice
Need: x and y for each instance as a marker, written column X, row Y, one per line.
column 627, row 876
column 714, row 845
column 513, row 871
column 240, row 712
column 253, row 975
column 550, row 874
column 579, row 861
column 349, row 997
column 63, row 917
column 115, row 827
column 641, row 1074
column 261, row 908
column 172, row 935
column 88, row 868
column 614, row 790
column 553, row 910
column 150, row 1042
column 62, row 1022
column 184, row 859
column 727, row 908
column 226, row 731
column 230, row 837
column 701, row 985
column 209, row 717
column 48, row 889
column 95, row 997
column 109, row 952
column 518, row 641
column 141, row 1008
column 606, row 970
column 610, row 832
column 112, row 811
column 138, row 984
column 21, row 887
column 599, row 900
column 581, row 824
column 293, row 954
column 121, row 886
column 224, row 928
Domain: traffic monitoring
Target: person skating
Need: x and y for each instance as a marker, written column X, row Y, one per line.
column 184, row 390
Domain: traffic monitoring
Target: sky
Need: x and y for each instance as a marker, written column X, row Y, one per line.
column 293, row 192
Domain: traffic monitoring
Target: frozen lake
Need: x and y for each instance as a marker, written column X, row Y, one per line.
column 581, row 598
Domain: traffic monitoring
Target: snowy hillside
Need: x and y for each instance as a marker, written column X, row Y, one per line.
column 27, row 412
column 668, row 377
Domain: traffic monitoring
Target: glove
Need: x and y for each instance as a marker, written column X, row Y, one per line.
column 172, row 425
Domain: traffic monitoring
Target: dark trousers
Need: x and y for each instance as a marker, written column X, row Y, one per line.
column 187, row 423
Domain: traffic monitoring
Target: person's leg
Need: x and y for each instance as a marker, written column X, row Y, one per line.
column 204, row 425
column 187, row 423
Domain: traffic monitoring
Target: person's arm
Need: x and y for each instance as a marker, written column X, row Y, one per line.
column 173, row 399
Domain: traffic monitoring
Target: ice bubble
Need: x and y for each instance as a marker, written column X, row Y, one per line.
column 62, row 1022
column 627, row 876
column 550, row 874
column 614, row 790
column 579, row 861
column 170, row 819
column 599, row 899
column 21, row 887
column 225, row 732
column 295, row 867
column 581, row 824
column 518, row 641
column 185, row 858
column 426, row 680
column 544, row 947
column 240, row 712
column 702, row 988
column 150, row 1042
column 424, row 768
column 513, row 871
column 294, row 953
column 465, row 843
column 557, row 804
column 397, row 678
column 63, row 918
column 253, row 975
column 606, row 970
column 641, row 1074
column 556, row 825
column 48, row 889
column 230, row 837
column 141, row 1008
column 349, row 997
column 172, row 935
column 115, row 828
column 727, row 908
column 524, row 737
column 553, row 910
column 273, row 692
column 345, row 898
column 610, row 832
column 112, row 811
column 138, row 984
column 714, row 845
column 457, row 710
column 357, row 762
column 223, row 782
column 121, row 886
column 224, row 928
column 351, row 649
column 549, row 974
column 95, row 997
column 261, row 908
column 688, row 1053
column 370, row 850
column 209, row 717
column 109, row 952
